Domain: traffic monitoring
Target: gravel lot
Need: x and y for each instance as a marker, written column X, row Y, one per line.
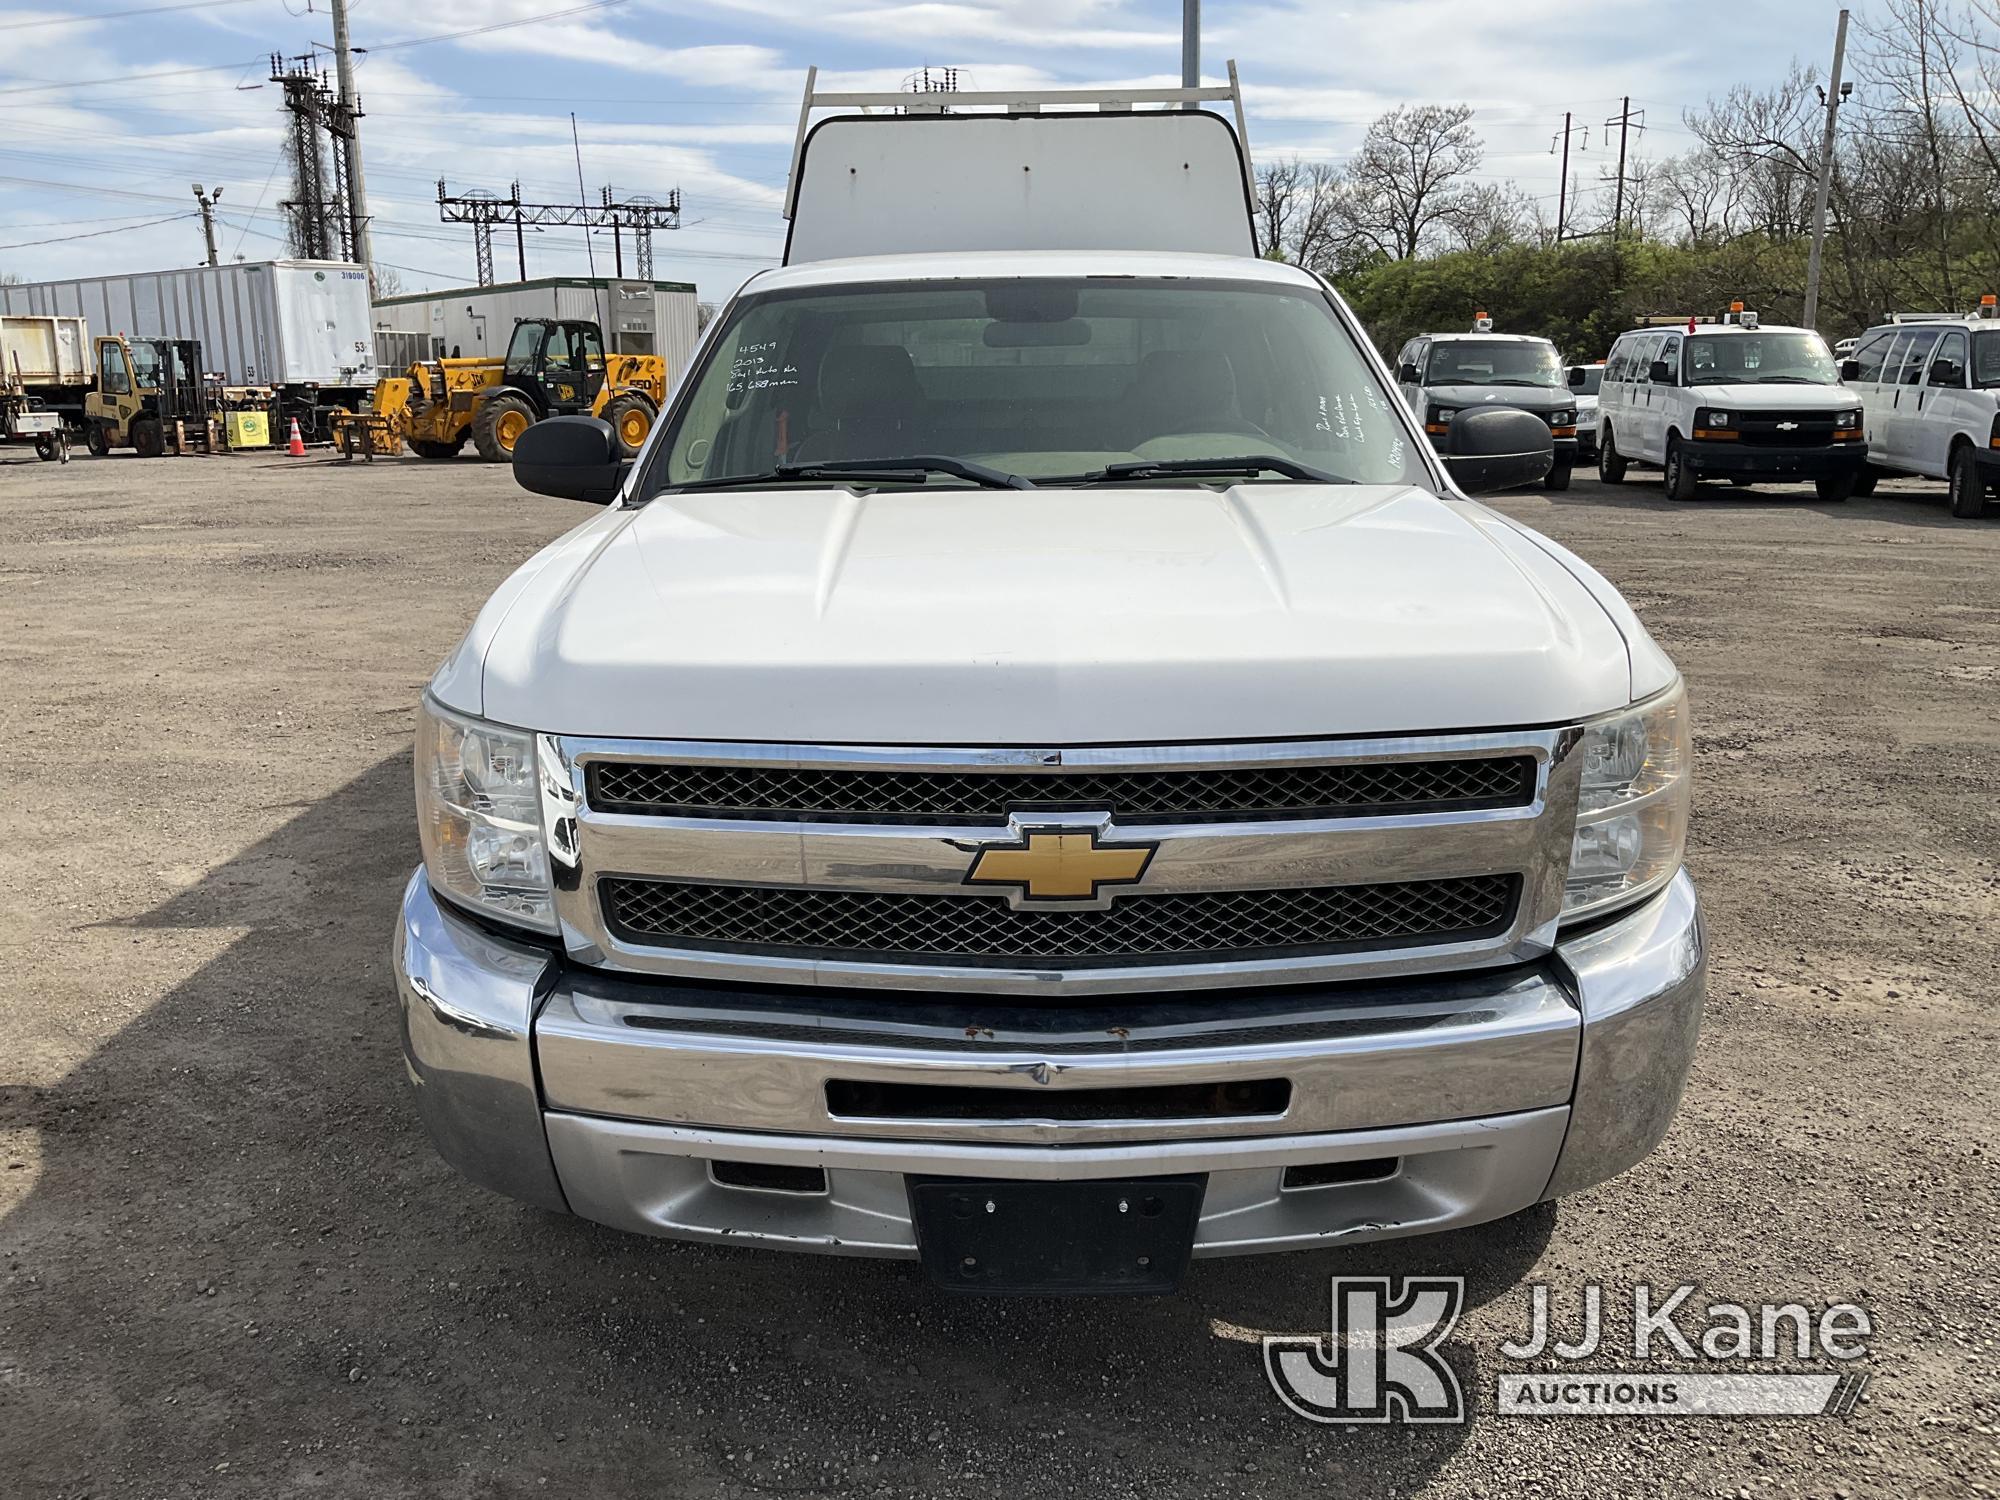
column 231, row 1265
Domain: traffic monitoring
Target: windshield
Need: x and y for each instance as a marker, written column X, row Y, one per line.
column 1760, row 359
column 1986, row 357
column 1494, row 362
column 1051, row 379
column 1593, row 380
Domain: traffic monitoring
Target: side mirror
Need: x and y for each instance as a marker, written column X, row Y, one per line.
column 572, row 458
column 1850, row 369
column 1660, row 372
column 1498, row 448
column 1947, row 372
column 1406, row 374
column 1576, row 378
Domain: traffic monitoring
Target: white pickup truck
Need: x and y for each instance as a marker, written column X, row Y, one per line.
column 1039, row 767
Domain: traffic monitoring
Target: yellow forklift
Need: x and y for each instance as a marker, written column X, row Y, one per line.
column 150, row 397
column 552, row 367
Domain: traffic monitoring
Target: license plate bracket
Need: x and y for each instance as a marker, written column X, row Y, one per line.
column 1098, row 1237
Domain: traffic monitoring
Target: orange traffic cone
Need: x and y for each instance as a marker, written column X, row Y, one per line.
column 297, row 446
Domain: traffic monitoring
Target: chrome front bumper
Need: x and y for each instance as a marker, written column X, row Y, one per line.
column 612, row 1096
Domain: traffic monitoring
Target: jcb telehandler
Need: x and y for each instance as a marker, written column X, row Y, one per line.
column 553, row 367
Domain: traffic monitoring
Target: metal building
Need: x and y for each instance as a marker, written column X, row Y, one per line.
column 638, row 317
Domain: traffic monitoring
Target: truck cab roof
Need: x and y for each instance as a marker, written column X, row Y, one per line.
column 943, row 265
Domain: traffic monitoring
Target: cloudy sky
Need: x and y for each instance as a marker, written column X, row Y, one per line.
column 108, row 114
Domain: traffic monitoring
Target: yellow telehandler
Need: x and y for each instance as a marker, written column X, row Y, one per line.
column 553, row 367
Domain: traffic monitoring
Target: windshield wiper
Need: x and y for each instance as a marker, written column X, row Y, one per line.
column 1515, row 380
column 1249, row 464
column 864, row 471
column 1788, row 380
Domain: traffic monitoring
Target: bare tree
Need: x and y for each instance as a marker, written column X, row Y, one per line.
column 1305, row 214
column 1413, row 175
column 1277, row 195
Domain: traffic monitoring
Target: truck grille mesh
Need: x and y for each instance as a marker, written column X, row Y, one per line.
column 1184, row 927
column 863, row 796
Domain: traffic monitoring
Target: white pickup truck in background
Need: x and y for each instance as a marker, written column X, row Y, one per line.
column 1038, row 767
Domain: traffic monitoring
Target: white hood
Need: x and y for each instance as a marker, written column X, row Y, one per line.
column 1751, row 396
column 1139, row 615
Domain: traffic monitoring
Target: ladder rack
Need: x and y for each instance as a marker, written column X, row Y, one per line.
column 1017, row 102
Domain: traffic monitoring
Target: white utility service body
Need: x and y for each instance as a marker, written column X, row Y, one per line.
column 1038, row 769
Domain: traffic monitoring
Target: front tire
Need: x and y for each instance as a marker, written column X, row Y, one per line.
column 498, row 427
column 1680, row 481
column 435, row 451
column 97, row 440
column 1834, row 488
column 1557, row 478
column 631, row 419
column 148, row 439
column 45, row 447
column 1966, row 489
column 1866, row 479
column 1610, row 462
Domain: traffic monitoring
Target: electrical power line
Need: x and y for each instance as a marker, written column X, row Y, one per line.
column 452, row 36
column 116, row 15
column 94, row 233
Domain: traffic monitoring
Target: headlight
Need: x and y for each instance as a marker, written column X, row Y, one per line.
column 1848, row 419
column 1706, row 418
column 1563, row 419
column 480, row 816
column 1632, row 809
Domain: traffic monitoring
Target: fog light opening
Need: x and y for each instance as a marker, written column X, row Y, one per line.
column 767, row 1177
column 1325, row 1174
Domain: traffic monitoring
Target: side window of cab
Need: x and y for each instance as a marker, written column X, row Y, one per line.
column 1871, row 353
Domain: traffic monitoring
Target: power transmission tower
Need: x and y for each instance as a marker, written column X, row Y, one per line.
column 1834, row 94
column 1624, row 120
column 483, row 210
column 321, row 229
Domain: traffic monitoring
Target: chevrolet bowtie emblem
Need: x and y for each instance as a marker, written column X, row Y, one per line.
column 1060, row 864
column 1788, row 427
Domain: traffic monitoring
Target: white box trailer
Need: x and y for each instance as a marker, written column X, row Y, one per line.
column 301, row 327
column 638, row 317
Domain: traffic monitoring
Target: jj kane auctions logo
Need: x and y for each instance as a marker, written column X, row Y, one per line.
column 1382, row 1359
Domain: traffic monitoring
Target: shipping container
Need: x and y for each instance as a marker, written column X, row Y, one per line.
column 638, row 317
column 294, row 325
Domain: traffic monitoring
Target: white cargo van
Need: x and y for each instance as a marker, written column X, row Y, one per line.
column 1735, row 400
column 1038, row 768
column 1930, row 402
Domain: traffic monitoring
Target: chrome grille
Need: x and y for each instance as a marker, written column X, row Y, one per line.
column 1195, row 926
column 973, row 796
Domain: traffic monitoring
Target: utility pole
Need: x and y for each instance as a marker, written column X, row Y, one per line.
column 1190, row 47
column 1562, row 191
column 1825, row 188
column 207, row 205
column 1623, row 120
column 357, row 188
